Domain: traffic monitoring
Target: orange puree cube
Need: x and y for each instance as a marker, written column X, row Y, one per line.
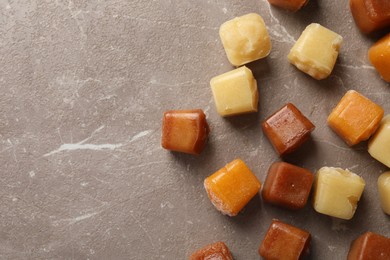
column 232, row 187
column 370, row 15
column 355, row 118
column 379, row 55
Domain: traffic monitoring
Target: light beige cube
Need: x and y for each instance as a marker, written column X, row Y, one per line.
column 379, row 144
column 337, row 192
column 384, row 191
column 245, row 39
column 235, row 92
column 316, row 51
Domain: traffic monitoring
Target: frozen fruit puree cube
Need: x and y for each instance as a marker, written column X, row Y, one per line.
column 215, row 251
column 291, row 5
column 245, row 39
column 287, row 129
column 370, row 246
column 370, row 15
column 379, row 55
column 337, row 192
column 184, row 131
column 283, row 241
column 316, row 51
column 379, row 144
column 384, row 191
column 287, row 185
column 235, row 92
column 355, row 118
column 232, row 187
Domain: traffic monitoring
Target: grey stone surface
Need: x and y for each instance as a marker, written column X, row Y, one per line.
column 83, row 87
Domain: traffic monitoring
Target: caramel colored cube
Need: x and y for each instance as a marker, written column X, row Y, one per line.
column 184, row 131
column 291, row 5
column 370, row 246
column 337, row 192
column 215, row 251
column 287, row 185
column 370, row 15
column 355, row 118
column 379, row 55
column 232, row 187
column 287, row 129
column 305, row 54
column 379, row 144
column 384, row 191
column 284, row 241
column 245, row 39
column 235, row 92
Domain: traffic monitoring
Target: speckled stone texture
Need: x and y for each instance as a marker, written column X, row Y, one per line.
column 83, row 88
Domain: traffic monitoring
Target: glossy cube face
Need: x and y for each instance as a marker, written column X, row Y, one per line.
column 284, row 241
column 384, row 191
column 355, row 118
column 305, row 55
column 379, row 55
column 245, row 39
column 379, row 144
column 287, row 129
column 287, row 185
column 215, row 251
column 232, row 187
column 235, row 92
column 184, row 131
column 370, row 246
column 291, row 5
column 337, row 192
column 370, row 15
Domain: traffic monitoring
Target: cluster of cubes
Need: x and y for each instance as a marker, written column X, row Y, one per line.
column 356, row 118
column 283, row 241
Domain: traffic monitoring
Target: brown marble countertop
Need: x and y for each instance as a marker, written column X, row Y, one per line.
column 83, row 88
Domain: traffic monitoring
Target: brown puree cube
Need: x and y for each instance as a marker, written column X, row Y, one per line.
column 370, row 246
column 287, row 185
column 215, row 251
column 370, row 15
column 291, row 5
column 283, row 241
column 184, row 131
column 287, row 129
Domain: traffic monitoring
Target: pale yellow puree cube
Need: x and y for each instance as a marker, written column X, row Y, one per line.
column 235, row 92
column 384, row 191
column 316, row 51
column 337, row 192
column 379, row 144
column 245, row 39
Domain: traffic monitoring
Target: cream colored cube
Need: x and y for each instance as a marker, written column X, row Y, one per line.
column 316, row 51
column 235, row 92
column 337, row 192
column 245, row 39
column 379, row 144
column 384, row 191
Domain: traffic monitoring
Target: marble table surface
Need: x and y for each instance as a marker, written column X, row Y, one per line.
column 83, row 86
